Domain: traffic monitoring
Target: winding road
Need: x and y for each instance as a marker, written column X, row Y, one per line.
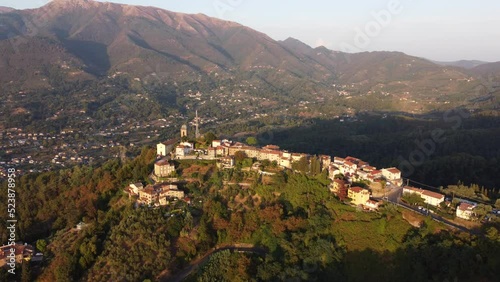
column 194, row 265
column 394, row 197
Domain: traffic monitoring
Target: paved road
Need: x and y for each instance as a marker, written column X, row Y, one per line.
column 437, row 218
column 394, row 194
column 394, row 197
column 194, row 265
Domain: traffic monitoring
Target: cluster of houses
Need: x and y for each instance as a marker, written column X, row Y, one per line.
column 155, row 195
column 464, row 210
column 351, row 170
column 355, row 170
column 359, row 196
column 224, row 151
column 164, row 190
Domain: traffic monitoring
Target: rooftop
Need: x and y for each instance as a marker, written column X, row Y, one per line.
column 466, row 207
column 393, row 170
column 169, row 142
column 162, row 162
column 358, row 189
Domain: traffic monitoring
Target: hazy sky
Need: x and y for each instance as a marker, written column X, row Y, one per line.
column 445, row 30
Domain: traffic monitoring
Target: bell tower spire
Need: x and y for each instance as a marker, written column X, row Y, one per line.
column 197, row 125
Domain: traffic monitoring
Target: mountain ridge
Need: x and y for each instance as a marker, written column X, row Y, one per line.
column 78, row 40
column 466, row 64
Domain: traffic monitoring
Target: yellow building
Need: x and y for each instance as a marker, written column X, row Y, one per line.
column 358, row 195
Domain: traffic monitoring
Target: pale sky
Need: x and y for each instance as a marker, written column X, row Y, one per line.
column 446, row 30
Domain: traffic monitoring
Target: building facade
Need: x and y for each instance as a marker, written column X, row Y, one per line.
column 358, row 195
column 163, row 168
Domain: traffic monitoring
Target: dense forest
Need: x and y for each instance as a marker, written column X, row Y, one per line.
column 301, row 232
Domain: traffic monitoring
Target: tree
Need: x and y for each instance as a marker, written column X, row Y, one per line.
column 302, row 165
column 252, row 141
column 482, row 210
column 247, row 162
column 315, row 165
column 209, row 137
column 339, row 176
column 239, row 156
column 41, row 245
column 413, row 198
column 497, row 204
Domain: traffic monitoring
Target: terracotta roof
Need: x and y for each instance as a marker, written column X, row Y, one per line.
column 466, row 206
column 169, row 142
column 19, row 250
column 362, row 163
column 433, row 194
column 149, row 190
column 357, row 189
column 425, row 192
column 348, row 163
column 162, row 162
column 349, row 158
column 369, row 168
column 393, row 170
column 271, row 147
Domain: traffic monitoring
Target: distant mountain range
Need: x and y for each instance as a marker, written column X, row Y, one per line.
column 466, row 64
column 75, row 40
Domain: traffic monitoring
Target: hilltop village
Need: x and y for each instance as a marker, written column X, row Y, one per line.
column 352, row 180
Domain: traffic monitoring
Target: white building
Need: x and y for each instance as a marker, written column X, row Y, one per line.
column 136, row 187
column 431, row 198
column 465, row 211
column 164, row 148
column 333, row 170
column 372, row 205
column 184, row 149
column 348, row 168
column 391, row 173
